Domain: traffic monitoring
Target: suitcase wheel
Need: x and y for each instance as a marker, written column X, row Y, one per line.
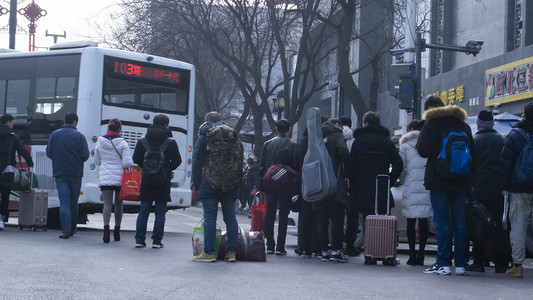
column 391, row 262
column 369, row 261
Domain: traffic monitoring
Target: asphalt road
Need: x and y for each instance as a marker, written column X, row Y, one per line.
column 38, row 265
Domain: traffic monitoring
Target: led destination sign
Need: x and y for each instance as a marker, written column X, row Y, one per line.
column 131, row 69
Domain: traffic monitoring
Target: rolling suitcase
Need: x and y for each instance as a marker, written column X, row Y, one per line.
column 33, row 209
column 381, row 235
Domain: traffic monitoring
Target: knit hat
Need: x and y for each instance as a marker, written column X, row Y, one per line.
column 485, row 119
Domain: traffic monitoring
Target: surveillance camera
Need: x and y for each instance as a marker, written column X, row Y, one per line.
column 497, row 106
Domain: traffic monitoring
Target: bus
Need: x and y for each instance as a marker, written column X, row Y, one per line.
column 40, row 88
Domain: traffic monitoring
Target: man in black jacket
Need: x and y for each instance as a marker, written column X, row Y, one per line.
column 487, row 189
column 520, row 208
column 279, row 150
column 9, row 144
column 448, row 196
column 156, row 135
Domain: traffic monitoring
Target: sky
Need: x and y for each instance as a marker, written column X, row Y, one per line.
column 76, row 17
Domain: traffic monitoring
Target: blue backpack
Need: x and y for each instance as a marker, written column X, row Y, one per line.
column 524, row 164
column 454, row 159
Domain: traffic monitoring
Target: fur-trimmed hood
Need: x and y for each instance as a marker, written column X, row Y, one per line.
column 453, row 111
column 410, row 136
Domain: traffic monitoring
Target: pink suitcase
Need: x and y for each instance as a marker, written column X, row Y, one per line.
column 381, row 233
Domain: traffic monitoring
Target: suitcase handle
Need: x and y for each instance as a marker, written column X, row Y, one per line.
column 388, row 192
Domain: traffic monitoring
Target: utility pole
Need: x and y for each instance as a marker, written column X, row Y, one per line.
column 12, row 23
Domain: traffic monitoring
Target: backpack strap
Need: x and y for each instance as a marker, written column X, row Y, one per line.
column 522, row 132
column 146, row 145
column 165, row 144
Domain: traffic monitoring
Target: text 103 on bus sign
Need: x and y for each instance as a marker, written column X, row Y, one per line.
column 134, row 70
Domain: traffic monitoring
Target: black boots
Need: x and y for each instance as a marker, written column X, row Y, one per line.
column 412, row 259
column 107, row 232
column 420, row 258
column 116, row 233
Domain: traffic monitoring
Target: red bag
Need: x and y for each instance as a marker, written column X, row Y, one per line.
column 258, row 212
column 281, row 179
column 131, row 186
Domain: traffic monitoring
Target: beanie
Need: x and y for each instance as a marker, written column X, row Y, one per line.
column 485, row 119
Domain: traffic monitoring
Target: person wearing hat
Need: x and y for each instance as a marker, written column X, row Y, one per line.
column 487, row 189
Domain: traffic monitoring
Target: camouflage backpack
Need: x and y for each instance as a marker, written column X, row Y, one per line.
column 224, row 167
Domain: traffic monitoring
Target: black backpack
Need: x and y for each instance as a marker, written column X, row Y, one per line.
column 154, row 172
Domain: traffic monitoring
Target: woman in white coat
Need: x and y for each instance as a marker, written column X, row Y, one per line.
column 415, row 197
column 112, row 154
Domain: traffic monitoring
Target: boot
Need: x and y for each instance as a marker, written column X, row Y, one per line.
column 116, row 233
column 420, row 258
column 107, row 232
column 412, row 259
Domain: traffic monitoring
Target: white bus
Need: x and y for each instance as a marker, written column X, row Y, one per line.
column 39, row 88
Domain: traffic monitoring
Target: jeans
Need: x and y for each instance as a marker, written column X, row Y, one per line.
column 160, row 209
column 450, row 203
column 284, row 202
column 520, row 210
column 68, row 191
column 227, row 201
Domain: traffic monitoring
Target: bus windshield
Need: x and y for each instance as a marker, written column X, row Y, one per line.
column 145, row 86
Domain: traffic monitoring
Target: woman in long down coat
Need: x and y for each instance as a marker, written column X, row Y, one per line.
column 415, row 197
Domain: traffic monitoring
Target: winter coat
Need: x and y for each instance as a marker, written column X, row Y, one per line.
column 488, row 144
column 156, row 135
column 415, row 197
column 511, row 149
column 348, row 136
column 6, row 138
column 68, row 150
column 372, row 154
column 111, row 164
column 200, row 159
column 438, row 121
column 278, row 150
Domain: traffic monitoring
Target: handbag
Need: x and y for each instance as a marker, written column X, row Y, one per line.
column 258, row 212
column 12, row 177
column 281, row 179
column 198, row 238
column 480, row 222
column 130, row 189
column 250, row 246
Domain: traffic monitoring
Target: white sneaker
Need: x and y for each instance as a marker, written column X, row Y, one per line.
column 1, row 222
column 438, row 270
column 460, row 271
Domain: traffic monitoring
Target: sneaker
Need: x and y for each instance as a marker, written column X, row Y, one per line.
column 281, row 252
column 204, row 257
column 517, row 271
column 73, row 232
column 438, row 270
column 230, row 257
column 326, row 256
column 157, row 245
column 64, row 236
column 270, row 251
column 140, row 245
column 338, row 256
column 475, row 268
column 306, row 254
column 460, row 271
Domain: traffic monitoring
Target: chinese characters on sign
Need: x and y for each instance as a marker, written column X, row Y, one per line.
column 510, row 82
column 451, row 95
column 135, row 70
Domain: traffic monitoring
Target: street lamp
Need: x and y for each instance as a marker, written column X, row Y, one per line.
column 279, row 104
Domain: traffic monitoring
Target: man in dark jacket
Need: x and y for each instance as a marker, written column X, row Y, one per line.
column 488, row 144
column 448, row 196
column 278, row 150
column 68, row 150
column 331, row 211
column 9, row 143
column 520, row 208
column 211, row 197
column 156, row 135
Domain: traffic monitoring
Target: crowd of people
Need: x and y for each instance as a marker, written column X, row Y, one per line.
column 439, row 176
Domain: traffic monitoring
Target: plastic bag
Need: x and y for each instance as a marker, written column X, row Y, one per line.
column 131, row 186
column 258, row 212
column 198, row 239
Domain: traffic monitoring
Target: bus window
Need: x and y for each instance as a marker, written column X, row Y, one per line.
column 150, row 100
column 2, row 95
column 66, row 88
column 18, row 98
column 120, row 99
column 52, row 93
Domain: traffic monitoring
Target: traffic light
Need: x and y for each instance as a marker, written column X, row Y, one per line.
column 407, row 91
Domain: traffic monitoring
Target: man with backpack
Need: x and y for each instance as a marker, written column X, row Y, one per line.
column 446, row 141
column 516, row 166
column 158, row 155
column 217, row 174
column 280, row 150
